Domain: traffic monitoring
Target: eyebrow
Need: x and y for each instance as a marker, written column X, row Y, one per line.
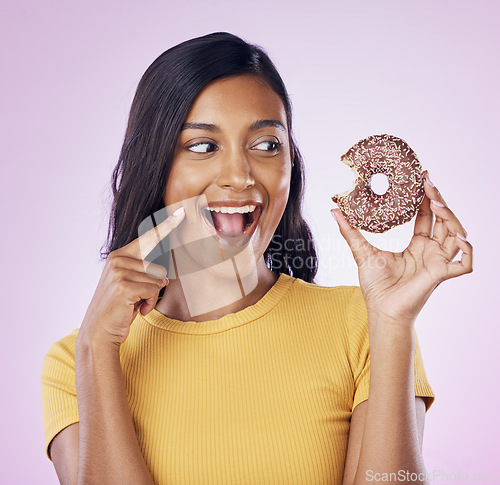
column 256, row 125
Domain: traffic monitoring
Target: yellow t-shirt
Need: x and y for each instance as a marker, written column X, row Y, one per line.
column 264, row 395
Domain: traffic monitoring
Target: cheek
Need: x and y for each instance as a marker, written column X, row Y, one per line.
column 278, row 188
column 282, row 195
column 184, row 183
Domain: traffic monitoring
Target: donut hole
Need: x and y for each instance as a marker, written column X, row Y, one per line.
column 379, row 183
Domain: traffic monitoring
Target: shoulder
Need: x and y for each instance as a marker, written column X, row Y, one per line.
column 64, row 345
column 342, row 297
column 302, row 285
column 58, row 386
column 61, row 355
column 344, row 303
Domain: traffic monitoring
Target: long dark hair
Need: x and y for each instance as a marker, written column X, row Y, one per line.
column 162, row 100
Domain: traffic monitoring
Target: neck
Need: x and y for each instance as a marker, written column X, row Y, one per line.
column 186, row 301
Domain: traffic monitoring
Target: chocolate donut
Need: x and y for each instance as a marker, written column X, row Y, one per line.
column 363, row 208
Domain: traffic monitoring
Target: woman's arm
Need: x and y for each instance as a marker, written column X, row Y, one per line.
column 63, row 450
column 108, row 449
column 395, row 288
column 390, row 440
column 356, row 427
column 102, row 448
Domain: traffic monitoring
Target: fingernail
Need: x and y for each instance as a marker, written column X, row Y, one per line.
column 428, row 179
column 437, row 203
column 334, row 215
column 461, row 237
column 178, row 212
column 165, row 281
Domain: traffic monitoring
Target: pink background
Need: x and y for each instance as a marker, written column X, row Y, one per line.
column 426, row 71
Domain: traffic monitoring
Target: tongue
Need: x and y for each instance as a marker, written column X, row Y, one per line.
column 228, row 222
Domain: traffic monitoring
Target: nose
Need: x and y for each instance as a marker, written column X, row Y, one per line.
column 235, row 172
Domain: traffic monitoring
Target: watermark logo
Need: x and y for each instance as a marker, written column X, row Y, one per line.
column 405, row 476
column 213, row 271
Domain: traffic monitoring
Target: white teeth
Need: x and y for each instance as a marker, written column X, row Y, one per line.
column 232, row 210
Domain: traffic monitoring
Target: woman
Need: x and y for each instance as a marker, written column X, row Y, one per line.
column 226, row 363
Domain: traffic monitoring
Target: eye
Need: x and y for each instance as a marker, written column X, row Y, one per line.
column 202, row 147
column 269, row 146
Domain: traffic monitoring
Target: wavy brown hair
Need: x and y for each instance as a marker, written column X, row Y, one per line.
column 160, row 105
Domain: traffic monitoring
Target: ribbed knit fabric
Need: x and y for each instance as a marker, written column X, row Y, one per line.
column 261, row 396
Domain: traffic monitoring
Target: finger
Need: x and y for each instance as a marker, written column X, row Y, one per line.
column 149, row 304
column 135, row 291
column 361, row 249
column 140, row 247
column 132, row 282
column 445, row 231
column 153, row 270
column 433, row 193
column 126, row 274
column 439, row 231
column 464, row 266
column 430, row 189
column 423, row 221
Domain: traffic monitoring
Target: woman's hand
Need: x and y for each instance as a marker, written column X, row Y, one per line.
column 127, row 284
column 397, row 285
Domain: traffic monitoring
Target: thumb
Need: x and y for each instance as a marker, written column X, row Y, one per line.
column 361, row 249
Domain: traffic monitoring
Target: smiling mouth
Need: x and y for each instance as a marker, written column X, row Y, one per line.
column 233, row 228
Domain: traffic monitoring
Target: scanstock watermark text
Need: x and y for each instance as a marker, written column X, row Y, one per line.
column 404, row 476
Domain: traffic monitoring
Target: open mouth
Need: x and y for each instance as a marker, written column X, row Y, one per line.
column 233, row 227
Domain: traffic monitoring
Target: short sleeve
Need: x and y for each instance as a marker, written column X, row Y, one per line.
column 59, row 404
column 359, row 354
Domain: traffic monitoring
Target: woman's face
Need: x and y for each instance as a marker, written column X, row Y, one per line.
column 233, row 151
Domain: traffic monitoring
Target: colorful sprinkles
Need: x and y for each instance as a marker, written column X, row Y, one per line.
column 366, row 210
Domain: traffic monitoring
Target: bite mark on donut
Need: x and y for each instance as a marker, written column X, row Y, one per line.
column 355, row 182
column 392, row 156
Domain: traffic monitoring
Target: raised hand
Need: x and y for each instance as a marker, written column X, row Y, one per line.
column 397, row 285
column 128, row 283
